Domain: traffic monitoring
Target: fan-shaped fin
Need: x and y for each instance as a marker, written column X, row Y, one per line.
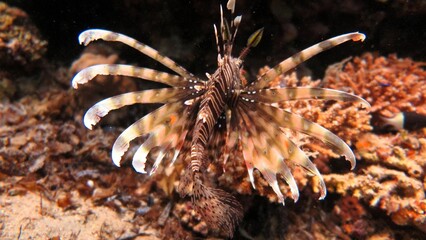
column 302, row 56
column 266, row 148
column 166, row 137
column 276, row 95
column 295, row 122
column 94, row 34
column 166, row 114
column 139, row 159
column 162, row 137
column 219, row 209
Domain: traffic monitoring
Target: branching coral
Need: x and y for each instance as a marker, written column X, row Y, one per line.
column 391, row 177
column 390, row 84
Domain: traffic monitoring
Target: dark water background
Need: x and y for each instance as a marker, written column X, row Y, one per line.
column 183, row 30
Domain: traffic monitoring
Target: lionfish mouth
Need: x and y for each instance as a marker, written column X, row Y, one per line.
column 216, row 115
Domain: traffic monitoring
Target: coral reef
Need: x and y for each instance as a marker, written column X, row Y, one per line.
column 57, row 180
column 390, row 84
column 392, row 168
column 20, row 41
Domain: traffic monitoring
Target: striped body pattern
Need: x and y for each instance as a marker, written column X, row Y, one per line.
column 213, row 117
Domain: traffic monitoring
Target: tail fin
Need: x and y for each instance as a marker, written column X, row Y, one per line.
column 218, row 208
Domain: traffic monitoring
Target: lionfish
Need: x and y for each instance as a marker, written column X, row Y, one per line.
column 213, row 116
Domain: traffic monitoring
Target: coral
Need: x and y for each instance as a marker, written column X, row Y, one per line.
column 7, row 88
column 401, row 197
column 47, row 158
column 20, row 41
column 390, row 84
column 392, row 171
column 353, row 217
column 100, row 54
column 393, row 152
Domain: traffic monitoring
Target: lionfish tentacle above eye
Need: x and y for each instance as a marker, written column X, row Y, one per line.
column 302, row 56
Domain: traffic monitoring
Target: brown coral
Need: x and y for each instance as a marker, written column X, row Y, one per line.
column 393, row 166
column 392, row 191
column 20, row 41
column 390, row 84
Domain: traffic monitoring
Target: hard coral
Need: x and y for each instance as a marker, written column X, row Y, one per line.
column 392, row 172
column 389, row 190
column 352, row 215
column 20, row 41
column 390, row 84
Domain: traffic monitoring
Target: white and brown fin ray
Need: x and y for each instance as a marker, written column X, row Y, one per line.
column 183, row 144
column 218, row 46
column 267, row 149
column 276, row 95
column 295, row 122
column 89, row 73
column 153, row 140
column 291, row 153
column 302, row 56
column 158, row 139
column 95, row 34
column 230, row 5
column 162, row 95
column 278, row 151
column 165, row 137
column 163, row 115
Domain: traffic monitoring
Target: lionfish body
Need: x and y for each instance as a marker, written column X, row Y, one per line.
column 218, row 115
